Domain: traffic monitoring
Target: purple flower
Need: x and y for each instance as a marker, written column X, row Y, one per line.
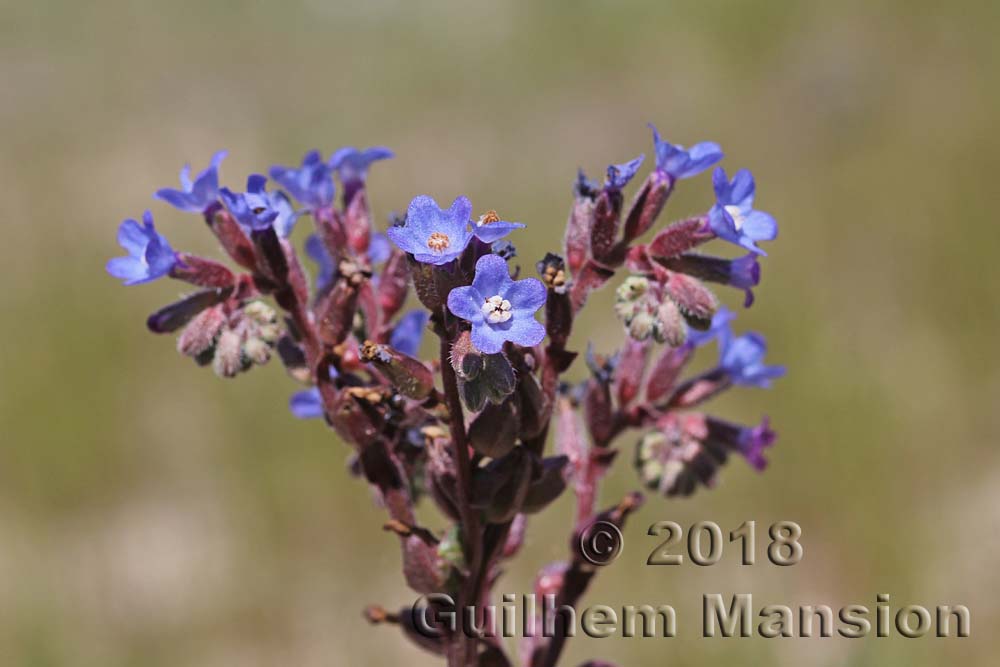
column 306, row 404
column 352, row 165
column 257, row 209
column 620, row 174
column 718, row 329
column 149, row 255
column 753, row 441
column 733, row 217
column 499, row 308
column 678, row 162
column 311, row 184
column 490, row 227
column 742, row 358
column 432, row 235
column 324, row 263
column 408, row 332
column 195, row 197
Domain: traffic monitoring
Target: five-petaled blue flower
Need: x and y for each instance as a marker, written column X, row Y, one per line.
column 258, row 209
column 432, row 235
column 620, row 174
column 679, row 162
column 311, row 184
column 499, row 308
column 742, row 358
column 149, row 255
column 195, row 197
column 352, row 164
column 733, row 217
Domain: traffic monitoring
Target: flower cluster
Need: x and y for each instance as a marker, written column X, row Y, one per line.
column 467, row 427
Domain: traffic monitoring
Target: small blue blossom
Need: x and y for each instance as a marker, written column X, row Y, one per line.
column 311, row 184
column 678, row 162
column 490, row 227
column 306, row 404
column 733, row 217
column 149, row 254
column 195, row 197
column 754, row 440
column 499, row 308
column 257, row 209
column 742, row 358
column 620, row 174
column 409, row 331
column 433, row 235
column 352, row 164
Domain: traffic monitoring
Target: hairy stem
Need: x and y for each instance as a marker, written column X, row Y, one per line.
column 468, row 595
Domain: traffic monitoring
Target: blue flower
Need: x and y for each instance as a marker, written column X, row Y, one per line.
column 718, row 329
column 306, row 404
column 742, row 358
column 257, row 209
column 324, row 263
column 499, row 308
column 408, row 332
column 432, row 235
column 490, row 227
column 149, row 255
column 754, row 440
column 678, row 162
column 311, row 184
column 620, row 174
column 352, row 164
column 733, row 217
column 195, row 197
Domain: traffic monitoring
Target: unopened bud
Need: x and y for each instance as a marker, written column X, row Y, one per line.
column 408, row 376
column 229, row 360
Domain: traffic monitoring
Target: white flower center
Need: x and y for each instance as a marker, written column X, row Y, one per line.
column 496, row 309
column 737, row 215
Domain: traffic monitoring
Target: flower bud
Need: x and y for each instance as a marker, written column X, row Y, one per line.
column 647, row 205
column 666, row 370
column 494, row 431
column 229, row 361
column 669, row 326
column 202, row 272
column 548, row 486
column 501, row 486
column 578, row 228
column 604, row 233
column 630, row 370
column 173, row 317
column 393, row 284
column 335, row 311
column 408, row 376
column 696, row 302
column 680, row 237
column 232, row 238
column 358, row 223
column 199, row 336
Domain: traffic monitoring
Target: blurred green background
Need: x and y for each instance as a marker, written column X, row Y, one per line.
column 151, row 514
